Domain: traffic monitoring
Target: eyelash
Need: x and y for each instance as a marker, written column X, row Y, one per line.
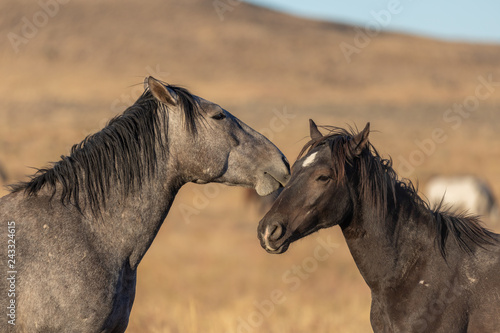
column 219, row 116
column 323, row 178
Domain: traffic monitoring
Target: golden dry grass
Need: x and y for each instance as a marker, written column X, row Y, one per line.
column 208, row 273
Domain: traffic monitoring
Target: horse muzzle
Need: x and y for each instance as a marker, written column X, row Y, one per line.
column 272, row 239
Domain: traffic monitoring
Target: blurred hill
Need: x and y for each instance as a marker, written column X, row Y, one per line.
column 88, row 48
column 69, row 66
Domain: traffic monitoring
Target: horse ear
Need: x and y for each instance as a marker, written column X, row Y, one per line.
column 313, row 129
column 360, row 141
column 160, row 92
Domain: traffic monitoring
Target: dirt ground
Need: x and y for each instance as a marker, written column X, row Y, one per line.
column 206, row 272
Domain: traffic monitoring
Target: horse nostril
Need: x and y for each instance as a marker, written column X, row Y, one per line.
column 275, row 231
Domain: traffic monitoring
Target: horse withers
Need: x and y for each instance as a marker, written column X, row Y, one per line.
column 73, row 236
column 428, row 270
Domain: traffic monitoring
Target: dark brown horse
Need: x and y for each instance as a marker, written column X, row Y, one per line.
column 73, row 236
column 428, row 270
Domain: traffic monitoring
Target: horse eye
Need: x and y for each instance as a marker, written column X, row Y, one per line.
column 323, row 178
column 219, row 116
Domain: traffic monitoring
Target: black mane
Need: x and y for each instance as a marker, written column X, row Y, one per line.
column 379, row 185
column 125, row 151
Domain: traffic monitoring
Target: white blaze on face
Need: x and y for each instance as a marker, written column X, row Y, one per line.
column 309, row 160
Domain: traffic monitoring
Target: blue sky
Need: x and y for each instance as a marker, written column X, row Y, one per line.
column 459, row 20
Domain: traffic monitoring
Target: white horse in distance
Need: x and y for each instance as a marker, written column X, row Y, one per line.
column 468, row 193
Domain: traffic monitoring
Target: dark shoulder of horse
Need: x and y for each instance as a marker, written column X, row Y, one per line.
column 430, row 270
column 79, row 228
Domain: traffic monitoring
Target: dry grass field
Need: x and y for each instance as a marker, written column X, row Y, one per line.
column 206, row 271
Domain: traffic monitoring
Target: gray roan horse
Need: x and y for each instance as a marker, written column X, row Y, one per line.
column 82, row 226
column 428, row 270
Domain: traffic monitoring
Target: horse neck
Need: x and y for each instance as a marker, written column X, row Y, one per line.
column 386, row 249
column 130, row 223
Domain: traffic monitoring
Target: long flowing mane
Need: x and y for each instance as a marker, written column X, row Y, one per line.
column 124, row 152
column 379, row 185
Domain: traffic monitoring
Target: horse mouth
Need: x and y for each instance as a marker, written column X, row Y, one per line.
column 272, row 177
column 268, row 184
column 279, row 177
column 279, row 250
